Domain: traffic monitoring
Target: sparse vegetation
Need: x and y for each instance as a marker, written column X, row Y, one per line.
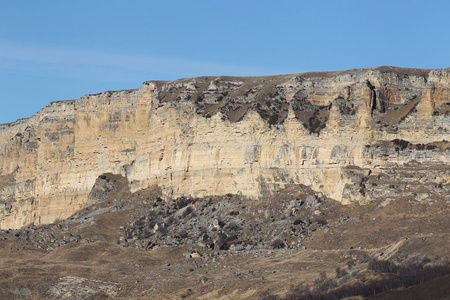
column 277, row 244
column 401, row 143
column 391, row 276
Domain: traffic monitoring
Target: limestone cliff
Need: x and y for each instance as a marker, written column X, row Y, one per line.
column 334, row 131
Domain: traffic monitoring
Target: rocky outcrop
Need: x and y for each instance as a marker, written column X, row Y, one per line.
column 333, row 131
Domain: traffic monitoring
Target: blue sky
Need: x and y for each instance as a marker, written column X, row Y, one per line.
column 60, row 50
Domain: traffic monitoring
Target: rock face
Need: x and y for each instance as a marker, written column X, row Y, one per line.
column 334, row 131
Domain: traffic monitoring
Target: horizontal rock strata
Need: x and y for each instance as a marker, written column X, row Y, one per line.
column 337, row 132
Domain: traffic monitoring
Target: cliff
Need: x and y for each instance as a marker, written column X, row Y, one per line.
column 355, row 135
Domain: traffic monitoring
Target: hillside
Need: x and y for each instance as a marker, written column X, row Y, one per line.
column 234, row 187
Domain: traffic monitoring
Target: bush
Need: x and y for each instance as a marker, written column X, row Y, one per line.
column 340, row 272
column 401, row 143
column 277, row 244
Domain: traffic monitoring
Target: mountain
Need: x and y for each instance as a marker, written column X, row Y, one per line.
column 327, row 170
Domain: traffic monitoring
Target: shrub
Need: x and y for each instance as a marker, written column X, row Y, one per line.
column 401, row 143
column 277, row 244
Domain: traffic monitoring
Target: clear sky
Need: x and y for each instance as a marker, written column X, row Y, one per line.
column 59, row 50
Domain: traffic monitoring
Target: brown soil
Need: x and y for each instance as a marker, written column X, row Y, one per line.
column 83, row 258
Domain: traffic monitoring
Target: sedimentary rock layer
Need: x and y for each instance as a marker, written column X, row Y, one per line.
column 218, row 135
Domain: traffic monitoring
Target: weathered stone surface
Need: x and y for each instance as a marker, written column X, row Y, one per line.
column 216, row 135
